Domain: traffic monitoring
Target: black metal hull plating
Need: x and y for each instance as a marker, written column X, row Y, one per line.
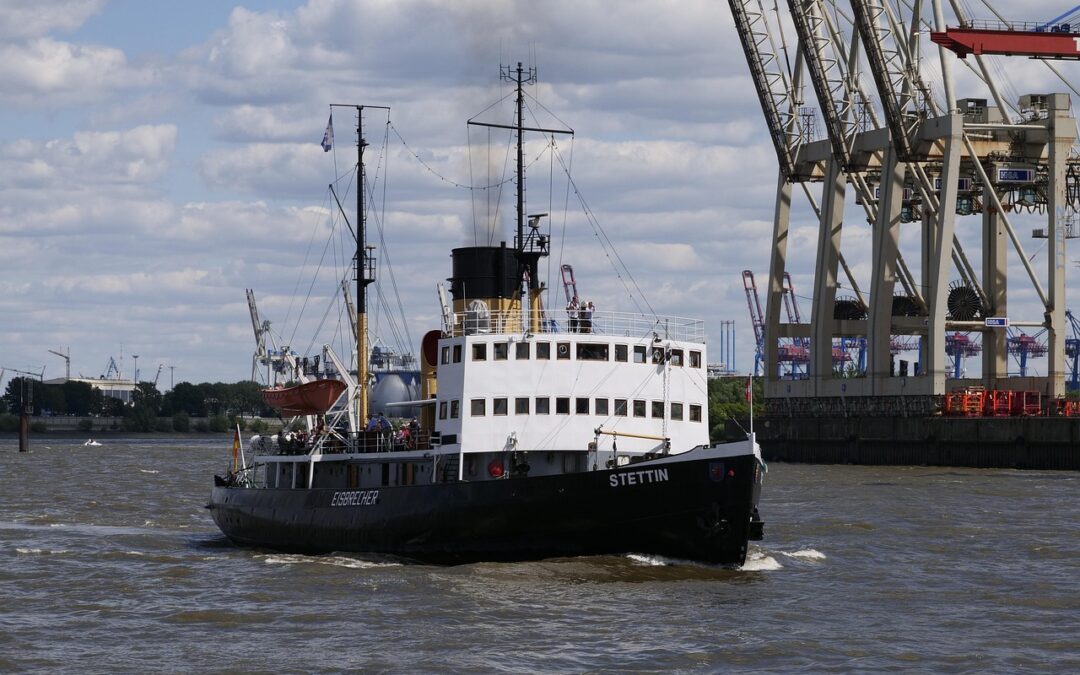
column 699, row 508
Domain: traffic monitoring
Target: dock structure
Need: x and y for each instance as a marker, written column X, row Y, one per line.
column 900, row 158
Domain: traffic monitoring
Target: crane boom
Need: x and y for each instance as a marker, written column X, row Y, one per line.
column 67, row 361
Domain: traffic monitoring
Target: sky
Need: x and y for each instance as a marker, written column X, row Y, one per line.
column 157, row 159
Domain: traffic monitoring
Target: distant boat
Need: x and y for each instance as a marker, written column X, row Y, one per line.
column 91, row 442
column 310, row 398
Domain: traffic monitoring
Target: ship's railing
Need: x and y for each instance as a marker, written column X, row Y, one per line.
column 345, row 443
column 560, row 321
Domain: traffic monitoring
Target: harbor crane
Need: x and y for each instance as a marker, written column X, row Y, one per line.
column 1072, row 352
column 67, row 361
column 913, row 157
column 1057, row 38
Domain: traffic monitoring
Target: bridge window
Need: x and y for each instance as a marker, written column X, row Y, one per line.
column 479, row 407
column 562, row 405
column 621, row 352
column 592, row 352
column 695, row 359
column 657, row 354
column 521, row 406
column 442, row 410
column 543, row 405
column 639, row 408
column 498, row 406
column 543, row 350
column 457, row 353
column 501, row 350
column 445, row 355
column 620, row 407
column 601, row 406
column 676, row 411
column 695, row 413
column 676, row 357
column 581, row 406
column 455, row 409
column 521, row 350
column 479, row 352
column 658, row 409
column 639, row 353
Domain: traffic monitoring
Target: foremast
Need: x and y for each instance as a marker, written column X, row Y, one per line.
column 363, row 264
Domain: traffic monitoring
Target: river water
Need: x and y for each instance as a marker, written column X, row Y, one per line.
column 109, row 562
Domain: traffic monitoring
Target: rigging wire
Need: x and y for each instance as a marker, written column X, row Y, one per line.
column 606, row 244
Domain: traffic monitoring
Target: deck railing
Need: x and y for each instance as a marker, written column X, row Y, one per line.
column 621, row 324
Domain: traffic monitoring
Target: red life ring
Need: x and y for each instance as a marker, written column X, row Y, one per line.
column 495, row 468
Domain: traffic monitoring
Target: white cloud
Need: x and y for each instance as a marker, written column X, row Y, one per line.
column 44, row 72
column 33, row 18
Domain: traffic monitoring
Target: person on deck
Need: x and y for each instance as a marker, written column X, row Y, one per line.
column 414, row 433
column 572, row 308
column 585, row 314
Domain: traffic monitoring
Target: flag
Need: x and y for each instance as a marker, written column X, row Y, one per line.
column 328, row 135
column 236, row 449
column 749, row 389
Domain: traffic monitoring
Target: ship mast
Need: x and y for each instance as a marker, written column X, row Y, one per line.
column 364, row 265
column 528, row 248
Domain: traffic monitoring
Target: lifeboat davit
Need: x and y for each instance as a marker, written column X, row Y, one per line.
column 311, row 398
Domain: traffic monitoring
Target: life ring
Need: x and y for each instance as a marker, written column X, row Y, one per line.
column 495, row 468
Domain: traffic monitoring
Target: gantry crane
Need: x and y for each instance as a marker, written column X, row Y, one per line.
column 1072, row 352
column 1057, row 38
column 909, row 157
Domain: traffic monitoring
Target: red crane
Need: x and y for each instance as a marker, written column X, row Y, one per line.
column 1055, row 39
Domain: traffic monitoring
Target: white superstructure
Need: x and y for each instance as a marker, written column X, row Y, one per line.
column 559, row 390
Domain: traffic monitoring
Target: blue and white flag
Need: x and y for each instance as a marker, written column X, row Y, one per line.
column 328, row 135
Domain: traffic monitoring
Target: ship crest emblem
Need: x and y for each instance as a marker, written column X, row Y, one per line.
column 716, row 471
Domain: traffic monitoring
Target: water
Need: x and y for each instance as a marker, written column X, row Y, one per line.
column 109, row 562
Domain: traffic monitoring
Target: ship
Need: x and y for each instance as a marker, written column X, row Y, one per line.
column 543, row 432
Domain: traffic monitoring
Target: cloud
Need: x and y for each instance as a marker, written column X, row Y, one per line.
column 22, row 19
column 44, row 73
column 136, row 156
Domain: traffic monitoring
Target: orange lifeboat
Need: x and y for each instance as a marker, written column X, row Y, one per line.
column 311, row 398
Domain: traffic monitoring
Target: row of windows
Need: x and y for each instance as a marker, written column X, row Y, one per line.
column 582, row 405
column 585, row 351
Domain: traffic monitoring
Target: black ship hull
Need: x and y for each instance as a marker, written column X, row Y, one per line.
column 699, row 506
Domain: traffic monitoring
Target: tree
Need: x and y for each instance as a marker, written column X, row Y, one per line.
column 247, row 398
column 82, row 398
column 20, row 390
column 186, row 397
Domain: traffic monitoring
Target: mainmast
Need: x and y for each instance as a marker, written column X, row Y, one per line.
column 529, row 248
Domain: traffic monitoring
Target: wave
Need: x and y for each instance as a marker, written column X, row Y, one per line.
column 758, row 561
column 805, row 554
column 334, row 561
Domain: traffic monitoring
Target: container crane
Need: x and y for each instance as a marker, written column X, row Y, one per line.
column 158, row 374
column 1058, row 38
column 1022, row 346
column 1072, row 352
column 960, row 346
column 794, row 355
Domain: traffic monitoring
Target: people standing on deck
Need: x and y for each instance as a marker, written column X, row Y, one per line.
column 585, row 316
column 382, row 426
column 414, row 433
column 572, row 309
